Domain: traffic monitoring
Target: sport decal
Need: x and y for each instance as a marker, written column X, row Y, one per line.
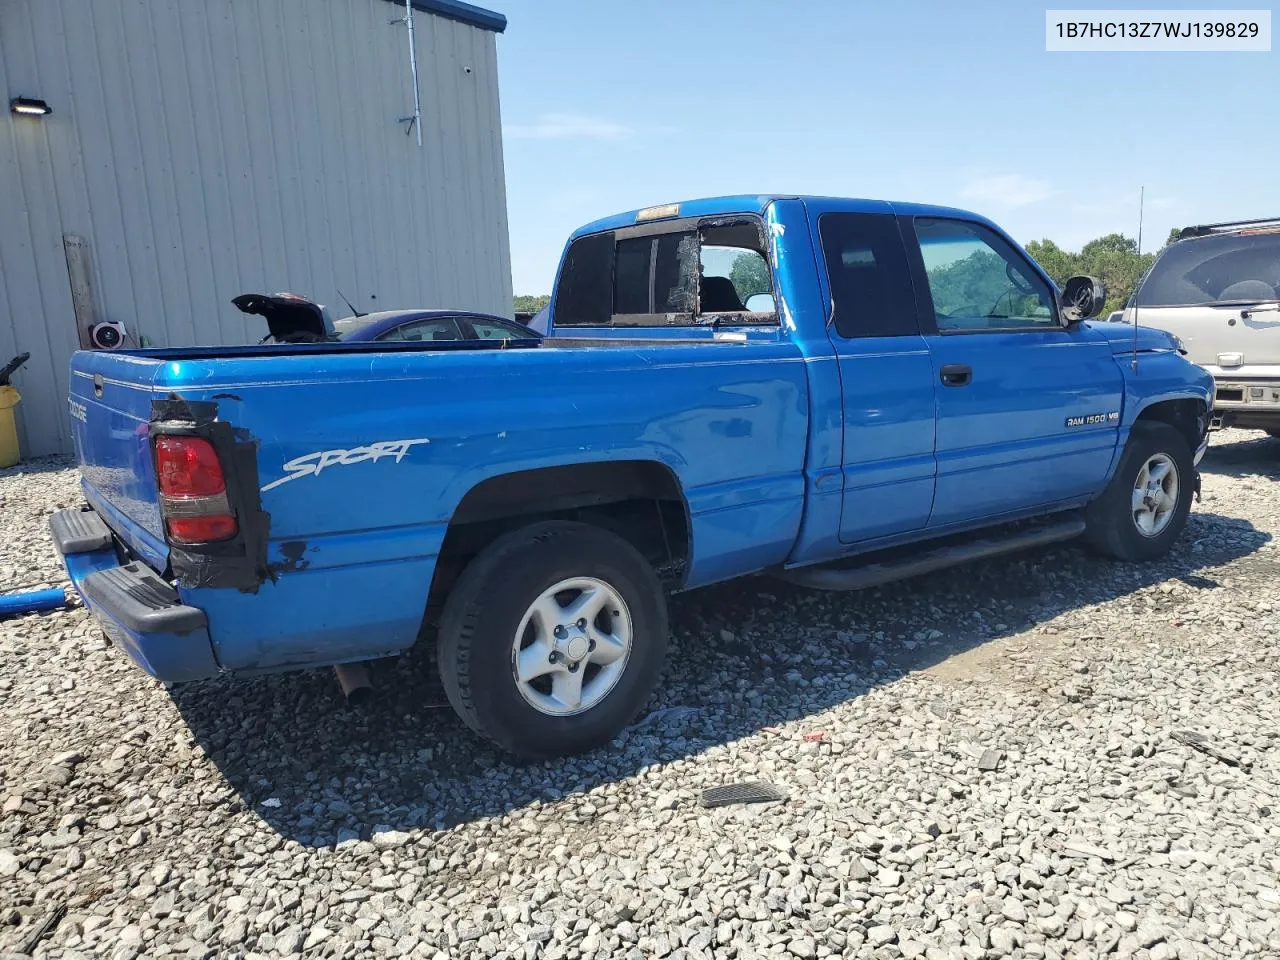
column 1090, row 419
column 313, row 463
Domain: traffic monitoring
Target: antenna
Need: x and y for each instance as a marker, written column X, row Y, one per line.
column 1142, row 279
column 1141, row 196
column 353, row 310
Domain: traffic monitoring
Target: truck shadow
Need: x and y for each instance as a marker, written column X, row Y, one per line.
column 745, row 656
column 1248, row 454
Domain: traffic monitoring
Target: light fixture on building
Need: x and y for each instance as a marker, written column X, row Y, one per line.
column 29, row 107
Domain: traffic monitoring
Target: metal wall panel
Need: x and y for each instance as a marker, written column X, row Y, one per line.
column 207, row 149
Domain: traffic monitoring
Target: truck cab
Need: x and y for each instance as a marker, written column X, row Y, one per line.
column 948, row 389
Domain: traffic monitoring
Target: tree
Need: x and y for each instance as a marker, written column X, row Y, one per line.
column 1113, row 259
column 749, row 275
column 531, row 303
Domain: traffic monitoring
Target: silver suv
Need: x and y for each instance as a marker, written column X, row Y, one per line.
column 1217, row 288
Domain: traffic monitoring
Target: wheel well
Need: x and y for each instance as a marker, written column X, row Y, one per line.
column 1186, row 416
column 639, row 500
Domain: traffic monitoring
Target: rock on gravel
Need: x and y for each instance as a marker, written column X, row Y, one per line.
column 392, row 832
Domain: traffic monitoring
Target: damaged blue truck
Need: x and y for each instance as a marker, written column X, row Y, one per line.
column 837, row 392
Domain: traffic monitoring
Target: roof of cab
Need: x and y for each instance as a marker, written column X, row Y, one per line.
column 757, row 203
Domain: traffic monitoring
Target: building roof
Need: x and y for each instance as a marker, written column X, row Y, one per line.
column 461, row 12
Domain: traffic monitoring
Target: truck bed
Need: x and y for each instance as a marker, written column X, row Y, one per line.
column 246, row 351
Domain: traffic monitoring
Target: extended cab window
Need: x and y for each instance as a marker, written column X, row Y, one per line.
column 679, row 273
column 978, row 282
column 871, row 292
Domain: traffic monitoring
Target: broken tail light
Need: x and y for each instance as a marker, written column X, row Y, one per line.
column 193, row 491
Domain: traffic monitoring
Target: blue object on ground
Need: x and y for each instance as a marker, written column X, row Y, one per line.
column 12, row 604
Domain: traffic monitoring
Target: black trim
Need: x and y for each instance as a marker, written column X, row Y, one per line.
column 461, row 12
column 919, row 276
column 950, row 552
column 136, row 598
column 1229, row 226
column 79, row 531
column 241, row 562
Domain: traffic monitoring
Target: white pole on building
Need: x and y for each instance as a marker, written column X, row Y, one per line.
column 415, row 121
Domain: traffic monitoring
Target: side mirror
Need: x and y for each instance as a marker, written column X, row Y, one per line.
column 760, row 303
column 1082, row 298
column 1020, row 283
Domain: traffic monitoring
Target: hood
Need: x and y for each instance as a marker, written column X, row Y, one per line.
column 1121, row 337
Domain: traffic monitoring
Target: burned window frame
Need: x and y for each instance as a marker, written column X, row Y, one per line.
column 695, row 227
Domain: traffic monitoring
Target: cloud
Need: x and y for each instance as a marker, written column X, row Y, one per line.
column 1007, row 190
column 568, row 126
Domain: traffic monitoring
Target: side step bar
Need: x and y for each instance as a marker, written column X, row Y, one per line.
column 875, row 574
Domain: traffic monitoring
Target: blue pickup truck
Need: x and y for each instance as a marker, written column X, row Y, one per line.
column 838, row 392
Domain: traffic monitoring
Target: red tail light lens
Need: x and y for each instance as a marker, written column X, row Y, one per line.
column 188, row 467
column 193, row 491
column 202, row 529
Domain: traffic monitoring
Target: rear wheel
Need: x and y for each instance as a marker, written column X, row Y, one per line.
column 552, row 638
column 1144, row 508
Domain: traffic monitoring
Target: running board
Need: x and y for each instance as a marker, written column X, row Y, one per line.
column 875, row 574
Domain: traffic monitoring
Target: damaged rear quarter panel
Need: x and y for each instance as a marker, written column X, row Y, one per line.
column 239, row 563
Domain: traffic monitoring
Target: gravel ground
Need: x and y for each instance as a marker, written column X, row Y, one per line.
column 984, row 763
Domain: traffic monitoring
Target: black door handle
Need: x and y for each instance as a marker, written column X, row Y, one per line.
column 957, row 374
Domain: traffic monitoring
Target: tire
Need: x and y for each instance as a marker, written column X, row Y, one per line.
column 1112, row 525
column 505, row 589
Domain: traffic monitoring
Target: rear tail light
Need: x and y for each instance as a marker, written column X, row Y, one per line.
column 193, row 491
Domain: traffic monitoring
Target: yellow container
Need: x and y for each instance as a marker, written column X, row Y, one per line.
column 9, row 398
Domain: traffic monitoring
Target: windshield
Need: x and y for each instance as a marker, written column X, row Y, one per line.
column 1225, row 269
column 349, row 325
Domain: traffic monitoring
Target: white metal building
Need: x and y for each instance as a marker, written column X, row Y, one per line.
column 200, row 149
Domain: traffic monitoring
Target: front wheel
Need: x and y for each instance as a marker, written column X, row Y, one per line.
column 1144, row 508
column 551, row 640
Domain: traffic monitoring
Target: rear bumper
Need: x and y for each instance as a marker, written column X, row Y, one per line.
column 1246, row 398
column 137, row 610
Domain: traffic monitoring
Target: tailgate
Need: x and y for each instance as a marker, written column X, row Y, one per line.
column 110, row 407
column 1217, row 336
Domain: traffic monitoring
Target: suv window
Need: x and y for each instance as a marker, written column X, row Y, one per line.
column 871, row 292
column 1225, row 268
column 978, row 282
column 692, row 273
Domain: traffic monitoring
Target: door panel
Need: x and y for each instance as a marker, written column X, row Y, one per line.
column 886, row 376
column 1003, row 439
column 887, row 385
column 1028, row 411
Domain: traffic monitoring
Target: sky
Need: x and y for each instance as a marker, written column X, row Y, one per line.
column 610, row 105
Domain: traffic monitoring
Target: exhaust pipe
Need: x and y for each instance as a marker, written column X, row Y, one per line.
column 356, row 684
